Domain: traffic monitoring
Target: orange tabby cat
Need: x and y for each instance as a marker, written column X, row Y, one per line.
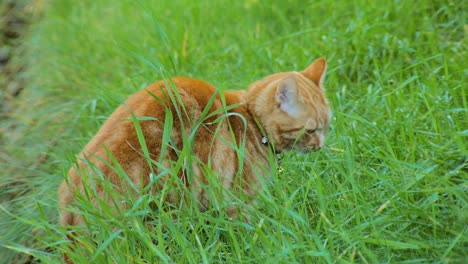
column 281, row 112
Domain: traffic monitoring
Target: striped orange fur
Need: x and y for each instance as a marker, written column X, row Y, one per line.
column 288, row 110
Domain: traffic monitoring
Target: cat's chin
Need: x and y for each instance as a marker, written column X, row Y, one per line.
column 307, row 150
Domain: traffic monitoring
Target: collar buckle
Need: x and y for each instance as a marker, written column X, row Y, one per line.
column 279, row 159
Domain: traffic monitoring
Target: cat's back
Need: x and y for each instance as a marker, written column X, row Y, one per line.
column 151, row 103
column 154, row 99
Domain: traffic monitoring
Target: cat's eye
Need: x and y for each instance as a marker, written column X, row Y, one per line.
column 310, row 131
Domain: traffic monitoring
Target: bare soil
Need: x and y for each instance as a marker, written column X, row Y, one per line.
column 14, row 22
column 16, row 16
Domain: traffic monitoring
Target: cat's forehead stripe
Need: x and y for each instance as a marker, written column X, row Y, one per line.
column 302, row 78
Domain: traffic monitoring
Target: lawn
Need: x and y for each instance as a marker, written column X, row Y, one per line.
column 390, row 186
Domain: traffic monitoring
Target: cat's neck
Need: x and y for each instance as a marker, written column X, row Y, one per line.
column 246, row 108
column 259, row 100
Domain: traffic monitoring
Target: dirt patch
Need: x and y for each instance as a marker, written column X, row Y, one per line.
column 16, row 16
column 14, row 22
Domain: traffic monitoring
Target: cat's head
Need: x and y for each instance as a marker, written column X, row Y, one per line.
column 292, row 108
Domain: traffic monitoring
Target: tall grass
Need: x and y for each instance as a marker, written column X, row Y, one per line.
column 390, row 186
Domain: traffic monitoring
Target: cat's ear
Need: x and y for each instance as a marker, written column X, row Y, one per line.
column 287, row 95
column 316, row 71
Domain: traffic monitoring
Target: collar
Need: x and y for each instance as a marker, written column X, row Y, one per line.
column 279, row 155
column 265, row 142
column 264, row 138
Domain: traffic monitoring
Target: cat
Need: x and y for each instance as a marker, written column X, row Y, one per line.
column 281, row 112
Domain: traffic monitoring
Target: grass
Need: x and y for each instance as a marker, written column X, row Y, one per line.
column 389, row 187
